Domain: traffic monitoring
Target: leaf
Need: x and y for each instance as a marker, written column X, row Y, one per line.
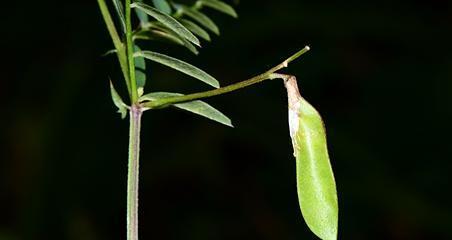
column 140, row 72
column 189, row 46
column 315, row 180
column 194, row 28
column 144, row 18
column 120, row 12
column 219, row 6
column 109, row 52
column 168, row 21
column 183, row 41
column 117, row 100
column 164, row 36
column 180, row 66
column 201, row 18
column 197, row 107
column 156, row 34
column 162, row 5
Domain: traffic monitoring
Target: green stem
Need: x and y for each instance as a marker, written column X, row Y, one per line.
column 270, row 74
column 133, row 172
column 119, row 46
column 129, row 43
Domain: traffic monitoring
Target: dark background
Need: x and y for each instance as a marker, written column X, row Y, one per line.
column 379, row 72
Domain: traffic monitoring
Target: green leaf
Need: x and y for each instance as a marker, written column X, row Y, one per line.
column 140, row 72
column 117, row 100
column 201, row 18
column 194, row 28
column 219, row 6
column 315, row 180
column 120, row 12
column 164, row 36
column 197, row 107
column 189, row 46
column 109, row 52
column 168, row 21
column 162, row 5
column 183, row 41
column 157, row 34
column 180, row 66
column 144, row 18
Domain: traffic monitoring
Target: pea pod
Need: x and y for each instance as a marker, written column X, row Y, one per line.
column 315, row 180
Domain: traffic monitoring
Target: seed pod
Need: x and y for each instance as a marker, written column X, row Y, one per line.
column 315, row 180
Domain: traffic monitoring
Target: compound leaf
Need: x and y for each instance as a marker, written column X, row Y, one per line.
column 197, row 107
column 180, row 66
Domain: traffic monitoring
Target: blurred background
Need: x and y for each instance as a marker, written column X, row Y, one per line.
column 379, row 72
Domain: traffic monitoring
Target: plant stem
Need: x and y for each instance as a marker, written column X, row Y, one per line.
column 270, row 74
column 119, row 46
column 133, row 172
column 134, row 136
column 130, row 58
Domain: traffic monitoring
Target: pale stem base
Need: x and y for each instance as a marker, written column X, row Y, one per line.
column 133, row 172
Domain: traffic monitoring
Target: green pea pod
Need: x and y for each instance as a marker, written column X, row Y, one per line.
column 315, row 180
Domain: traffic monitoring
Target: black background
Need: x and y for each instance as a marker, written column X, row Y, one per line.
column 379, row 72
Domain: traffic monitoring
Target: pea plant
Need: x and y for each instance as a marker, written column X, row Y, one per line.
column 182, row 24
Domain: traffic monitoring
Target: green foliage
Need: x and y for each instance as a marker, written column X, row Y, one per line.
column 194, row 28
column 197, row 107
column 162, row 5
column 180, row 66
column 109, row 52
column 175, row 29
column 120, row 12
column 168, row 21
column 219, row 6
column 199, row 17
column 140, row 73
column 142, row 16
column 171, row 27
column 117, row 100
column 178, row 40
column 154, row 34
column 168, row 27
column 119, row 45
column 315, row 180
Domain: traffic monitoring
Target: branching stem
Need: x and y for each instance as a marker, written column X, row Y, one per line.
column 125, row 54
column 270, row 74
